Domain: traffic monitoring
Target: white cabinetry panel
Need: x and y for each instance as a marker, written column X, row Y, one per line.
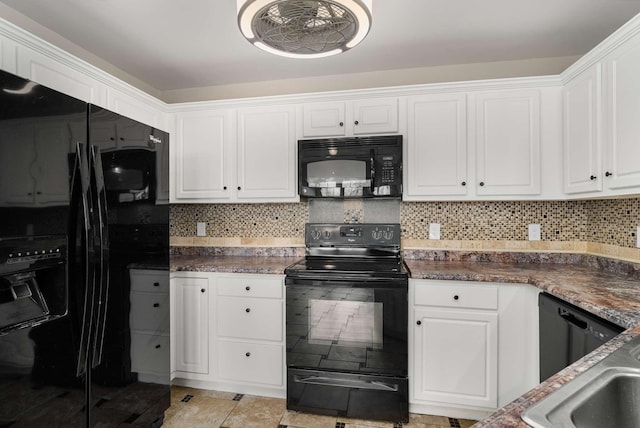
column 55, row 75
column 508, row 142
column 459, row 357
column 347, row 118
column 622, row 87
column 192, row 325
column 582, row 128
column 266, row 153
column 203, row 155
column 437, row 145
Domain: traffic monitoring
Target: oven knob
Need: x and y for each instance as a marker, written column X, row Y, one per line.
column 327, row 234
column 315, row 234
column 376, row 234
column 388, row 234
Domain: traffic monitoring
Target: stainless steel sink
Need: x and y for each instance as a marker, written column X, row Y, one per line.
column 606, row 395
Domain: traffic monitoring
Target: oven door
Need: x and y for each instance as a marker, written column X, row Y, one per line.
column 347, row 348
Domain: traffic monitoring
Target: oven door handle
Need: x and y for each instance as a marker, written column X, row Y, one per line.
column 346, row 383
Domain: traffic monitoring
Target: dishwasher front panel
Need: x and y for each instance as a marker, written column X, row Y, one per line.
column 567, row 333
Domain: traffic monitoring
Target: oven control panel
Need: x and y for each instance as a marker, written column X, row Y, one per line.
column 337, row 234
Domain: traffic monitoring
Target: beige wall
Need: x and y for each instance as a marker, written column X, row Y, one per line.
column 380, row 79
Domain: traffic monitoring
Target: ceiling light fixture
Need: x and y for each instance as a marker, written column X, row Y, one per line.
column 304, row 28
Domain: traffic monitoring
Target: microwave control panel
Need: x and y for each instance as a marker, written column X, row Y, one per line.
column 387, row 169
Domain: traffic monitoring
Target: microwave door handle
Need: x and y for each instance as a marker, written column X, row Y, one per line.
column 81, row 197
column 102, row 261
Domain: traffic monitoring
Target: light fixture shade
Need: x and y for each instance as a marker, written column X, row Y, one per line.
column 304, row 28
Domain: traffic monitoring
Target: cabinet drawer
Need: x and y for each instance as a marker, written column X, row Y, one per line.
column 250, row 318
column 150, row 353
column 150, row 281
column 149, row 311
column 251, row 286
column 457, row 295
column 251, row 362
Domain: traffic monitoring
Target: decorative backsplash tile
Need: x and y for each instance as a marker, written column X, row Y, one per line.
column 240, row 220
column 610, row 222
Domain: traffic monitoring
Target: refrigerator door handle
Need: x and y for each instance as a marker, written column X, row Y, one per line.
column 102, row 262
column 81, row 199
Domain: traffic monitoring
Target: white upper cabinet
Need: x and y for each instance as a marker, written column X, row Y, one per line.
column 582, row 132
column 507, row 138
column 236, row 155
column 46, row 71
column 266, row 148
column 347, row 118
column 203, row 160
column 436, row 156
column 622, row 89
column 602, row 130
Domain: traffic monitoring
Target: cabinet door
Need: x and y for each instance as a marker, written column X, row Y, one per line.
column 266, row 153
column 51, row 170
column 507, row 139
column 375, row 116
column 203, row 155
column 192, row 325
column 324, row 119
column 437, row 145
column 623, row 104
column 456, row 357
column 16, row 180
column 582, row 150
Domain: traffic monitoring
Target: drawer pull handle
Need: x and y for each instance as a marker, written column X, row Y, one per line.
column 156, row 305
column 156, row 284
column 456, row 297
column 247, row 288
column 248, row 354
column 247, row 310
column 157, row 346
column 419, row 322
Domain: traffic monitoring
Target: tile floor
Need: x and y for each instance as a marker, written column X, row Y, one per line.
column 195, row 408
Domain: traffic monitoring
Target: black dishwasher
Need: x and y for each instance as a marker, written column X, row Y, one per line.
column 568, row 333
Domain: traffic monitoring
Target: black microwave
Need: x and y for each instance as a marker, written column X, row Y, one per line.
column 357, row 167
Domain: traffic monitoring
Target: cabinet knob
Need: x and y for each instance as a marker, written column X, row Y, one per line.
column 112, row 138
column 341, row 124
column 593, row 177
column 356, row 122
column 121, row 138
column 456, row 297
column 156, row 305
column 247, row 310
column 247, row 288
column 157, row 346
column 419, row 322
column 29, row 194
column 202, row 290
column 156, row 284
column 224, row 188
column 239, row 188
column 481, row 183
column 464, row 183
column 247, row 354
column 608, row 174
column 38, row 193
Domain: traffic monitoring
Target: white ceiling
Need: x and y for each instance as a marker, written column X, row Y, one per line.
column 178, row 44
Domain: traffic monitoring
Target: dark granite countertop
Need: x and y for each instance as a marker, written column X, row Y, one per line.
column 605, row 287
column 231, row 264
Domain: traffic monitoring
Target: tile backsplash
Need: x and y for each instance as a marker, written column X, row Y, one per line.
column 611, row 222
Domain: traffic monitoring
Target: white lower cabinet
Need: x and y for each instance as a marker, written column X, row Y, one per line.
column 459, row 353
column 149, row 320
column 191, row 328
column 235, row 340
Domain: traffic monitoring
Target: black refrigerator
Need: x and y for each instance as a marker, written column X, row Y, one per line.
column 83, row 201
